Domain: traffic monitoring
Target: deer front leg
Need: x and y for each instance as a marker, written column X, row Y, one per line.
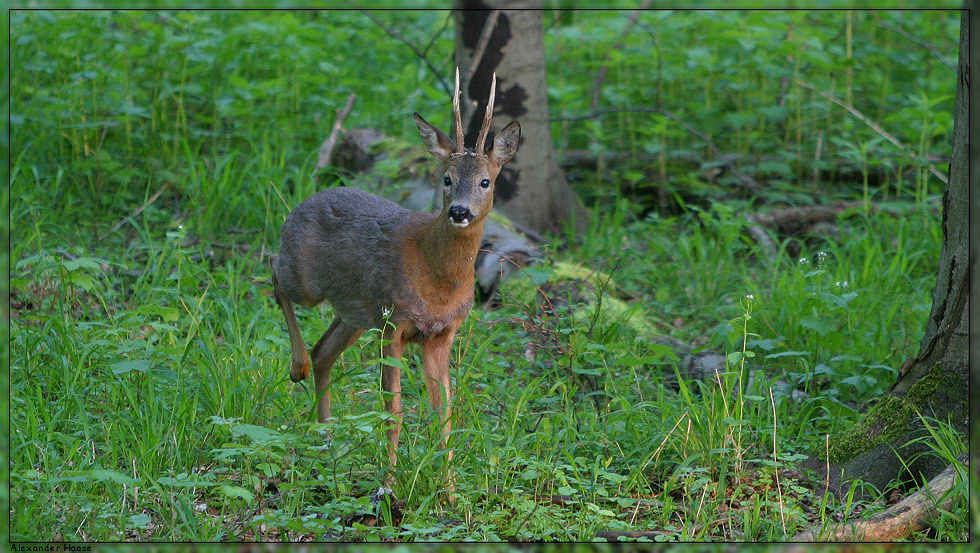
column 435, row 364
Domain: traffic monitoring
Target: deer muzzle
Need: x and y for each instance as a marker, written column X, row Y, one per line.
column 460, row 216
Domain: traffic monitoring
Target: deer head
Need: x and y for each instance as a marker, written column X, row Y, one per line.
column 469, row 172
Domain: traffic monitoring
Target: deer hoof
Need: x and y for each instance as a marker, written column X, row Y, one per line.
column 299, row 371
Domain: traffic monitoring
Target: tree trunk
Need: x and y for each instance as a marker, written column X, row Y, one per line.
column 936, row 382
column 531, row 189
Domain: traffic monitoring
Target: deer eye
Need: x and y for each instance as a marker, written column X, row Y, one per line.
column 485, row 183
column 448, row 181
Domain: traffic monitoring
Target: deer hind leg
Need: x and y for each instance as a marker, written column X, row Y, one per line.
column 391, row 382
column 338, row 337
column 299, row 369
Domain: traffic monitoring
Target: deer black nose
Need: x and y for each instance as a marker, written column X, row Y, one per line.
column 460, row 215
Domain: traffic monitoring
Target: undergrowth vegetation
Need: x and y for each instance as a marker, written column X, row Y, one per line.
column 153, row 159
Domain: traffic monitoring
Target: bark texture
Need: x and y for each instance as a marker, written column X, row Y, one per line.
column 531, row 190
column 936, row 382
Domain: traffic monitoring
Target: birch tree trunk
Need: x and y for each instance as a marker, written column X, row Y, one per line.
column 531, row 189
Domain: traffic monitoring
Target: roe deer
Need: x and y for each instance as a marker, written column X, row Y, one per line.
column 382, row 266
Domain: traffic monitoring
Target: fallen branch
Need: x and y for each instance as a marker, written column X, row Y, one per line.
column 326, row 149
column 900, row 520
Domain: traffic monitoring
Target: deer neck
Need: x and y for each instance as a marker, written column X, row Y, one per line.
column 448, row 253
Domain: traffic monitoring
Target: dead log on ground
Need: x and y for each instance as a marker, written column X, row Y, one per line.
column 900, row 520
column 794, row 221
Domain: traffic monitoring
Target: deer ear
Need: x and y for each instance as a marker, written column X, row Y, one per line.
column 436, row 141
column 505, row 143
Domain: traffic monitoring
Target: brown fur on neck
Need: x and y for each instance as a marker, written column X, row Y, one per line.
column 439, row 267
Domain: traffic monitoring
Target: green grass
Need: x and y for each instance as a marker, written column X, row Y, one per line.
column 167, row 412
column 149, row 388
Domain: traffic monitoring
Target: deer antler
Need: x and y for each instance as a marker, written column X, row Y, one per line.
column 485, row 128
column 457, row 123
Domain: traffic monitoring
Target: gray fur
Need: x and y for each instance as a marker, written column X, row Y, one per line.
column 341, row 245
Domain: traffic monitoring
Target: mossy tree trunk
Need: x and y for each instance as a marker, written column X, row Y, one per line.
column 936, row 382
column 531, row 189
